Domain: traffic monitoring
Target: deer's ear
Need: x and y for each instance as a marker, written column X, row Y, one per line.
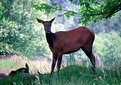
column 26, row 65
column 52, row 20
column 40, row 21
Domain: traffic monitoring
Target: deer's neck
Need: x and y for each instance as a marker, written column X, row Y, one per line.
column 50, row 38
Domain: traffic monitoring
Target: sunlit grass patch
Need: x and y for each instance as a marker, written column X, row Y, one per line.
column 6, row 65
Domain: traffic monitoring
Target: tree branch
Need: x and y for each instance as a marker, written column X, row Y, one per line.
column 114, row 10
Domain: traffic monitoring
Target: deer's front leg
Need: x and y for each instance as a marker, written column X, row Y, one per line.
column 53, row 63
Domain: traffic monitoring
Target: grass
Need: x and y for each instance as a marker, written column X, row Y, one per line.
column 70, row 75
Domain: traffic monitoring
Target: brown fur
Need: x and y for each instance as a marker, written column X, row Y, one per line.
column 68, row 42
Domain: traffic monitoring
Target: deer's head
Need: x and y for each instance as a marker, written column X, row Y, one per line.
column 47, row 25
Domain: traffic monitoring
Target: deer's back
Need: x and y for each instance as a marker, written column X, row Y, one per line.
column 73, row 40
column 80, row 33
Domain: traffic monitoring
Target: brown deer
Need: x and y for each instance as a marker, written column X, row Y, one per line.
column 20, row 70
column 67, row 42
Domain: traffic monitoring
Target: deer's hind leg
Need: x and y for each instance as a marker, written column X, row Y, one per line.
column 90, row 55
column 59, row 62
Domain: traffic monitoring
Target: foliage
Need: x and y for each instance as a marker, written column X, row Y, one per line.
column 21, row 34
column 107, row 46
column 18, row 34
column 90, row 10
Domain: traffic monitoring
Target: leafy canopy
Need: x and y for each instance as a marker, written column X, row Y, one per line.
column 18, row 29
column 89, row 10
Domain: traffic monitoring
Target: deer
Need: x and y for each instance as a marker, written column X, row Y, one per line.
column 66, row 42
column 15, row 72
column 20, row 70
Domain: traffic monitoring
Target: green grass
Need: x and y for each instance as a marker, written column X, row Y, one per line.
column 71, row 75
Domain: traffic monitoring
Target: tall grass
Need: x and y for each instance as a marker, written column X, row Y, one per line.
column 70, row 75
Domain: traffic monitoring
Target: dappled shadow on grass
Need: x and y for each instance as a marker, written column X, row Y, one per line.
column 70, row 75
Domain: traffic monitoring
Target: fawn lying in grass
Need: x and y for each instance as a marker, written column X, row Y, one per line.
column 20, row 70
column 15, row 72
